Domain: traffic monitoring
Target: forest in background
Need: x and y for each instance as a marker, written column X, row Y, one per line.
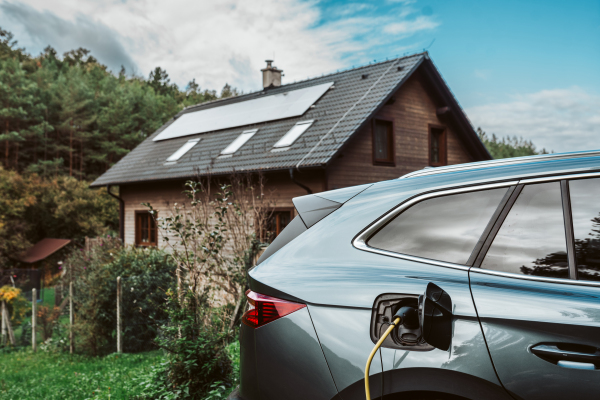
column 65, row 120
column 71, row 116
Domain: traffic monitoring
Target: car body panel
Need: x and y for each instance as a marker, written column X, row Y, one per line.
column 517, row 314
column 290, row 361
column 344, row 336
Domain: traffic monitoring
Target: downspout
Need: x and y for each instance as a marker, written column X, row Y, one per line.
column 121, row 213
column 298, row 183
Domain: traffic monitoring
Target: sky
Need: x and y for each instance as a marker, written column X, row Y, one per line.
column 524, row 68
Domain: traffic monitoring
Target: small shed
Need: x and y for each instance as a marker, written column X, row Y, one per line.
column 33, row 259
column 42, row 250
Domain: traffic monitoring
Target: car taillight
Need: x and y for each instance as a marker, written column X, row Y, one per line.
column 263, row 309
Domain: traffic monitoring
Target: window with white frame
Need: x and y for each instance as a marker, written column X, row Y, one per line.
column 239, row 142
column 293, row 134
column 182, row 150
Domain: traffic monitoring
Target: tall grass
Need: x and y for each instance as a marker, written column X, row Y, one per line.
column 54, row 376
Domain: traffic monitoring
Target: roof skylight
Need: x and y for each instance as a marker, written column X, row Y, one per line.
column 182, row 150
column 272, row 107
column 239, row 142
column 293, row 134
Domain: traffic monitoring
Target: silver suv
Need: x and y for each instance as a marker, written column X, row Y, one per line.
column 510, row 247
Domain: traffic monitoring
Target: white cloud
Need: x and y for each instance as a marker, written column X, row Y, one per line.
column 214, row 41
column 421, row 23
column 559, row 119
column 45, row 28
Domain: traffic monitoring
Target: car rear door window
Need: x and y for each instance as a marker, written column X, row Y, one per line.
column 585, row 208
column 532, row 241
column 443, row 228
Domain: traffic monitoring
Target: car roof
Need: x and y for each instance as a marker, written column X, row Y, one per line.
column 550, row 163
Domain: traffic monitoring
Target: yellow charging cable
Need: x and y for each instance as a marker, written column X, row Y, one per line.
column 377, row 346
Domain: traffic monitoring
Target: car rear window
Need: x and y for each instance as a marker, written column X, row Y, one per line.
column 443, row 228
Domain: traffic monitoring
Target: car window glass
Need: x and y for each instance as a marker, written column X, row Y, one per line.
column 532, row 240
column 585, row 207
column 443, row 228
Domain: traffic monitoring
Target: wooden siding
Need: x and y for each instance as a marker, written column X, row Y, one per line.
column 412, row 112
column 278, row 188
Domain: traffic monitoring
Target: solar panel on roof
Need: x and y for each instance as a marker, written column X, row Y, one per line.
column 268, row 108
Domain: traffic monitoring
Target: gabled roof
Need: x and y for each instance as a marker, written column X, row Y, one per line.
column 42, row 250
column 356, row 95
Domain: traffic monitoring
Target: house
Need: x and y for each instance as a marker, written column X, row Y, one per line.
column 363, row 125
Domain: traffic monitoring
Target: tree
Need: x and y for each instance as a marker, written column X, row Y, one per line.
column 161, row 83
column 508, row 147
column 69, row 115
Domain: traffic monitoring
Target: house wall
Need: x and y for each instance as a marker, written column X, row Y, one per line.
column 412, row 112
column 278, row 189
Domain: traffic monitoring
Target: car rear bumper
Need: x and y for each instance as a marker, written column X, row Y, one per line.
column 283, row 360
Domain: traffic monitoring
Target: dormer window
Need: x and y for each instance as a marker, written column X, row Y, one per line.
column 239, row 142
column 181, row 151
column 292, row 135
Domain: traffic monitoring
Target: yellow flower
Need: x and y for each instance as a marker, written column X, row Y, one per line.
column 9, row 293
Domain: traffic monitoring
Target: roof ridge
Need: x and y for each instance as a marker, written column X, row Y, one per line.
column 306, row 80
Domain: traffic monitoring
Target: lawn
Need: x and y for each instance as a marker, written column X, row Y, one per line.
column 41, row 375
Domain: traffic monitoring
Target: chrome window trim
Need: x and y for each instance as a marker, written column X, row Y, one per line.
column 581, row 175
column 360, row 242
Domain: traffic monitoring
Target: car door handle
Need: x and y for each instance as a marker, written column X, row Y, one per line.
column 568, row 355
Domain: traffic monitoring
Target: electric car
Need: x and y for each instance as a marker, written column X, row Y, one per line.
column 499, row 261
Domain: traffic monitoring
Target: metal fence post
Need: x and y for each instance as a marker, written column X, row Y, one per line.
column 3, row 341
column 119, row 341
column 33, row 319
column 71, row 317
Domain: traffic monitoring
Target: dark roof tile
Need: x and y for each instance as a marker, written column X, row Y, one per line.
column 337, row 114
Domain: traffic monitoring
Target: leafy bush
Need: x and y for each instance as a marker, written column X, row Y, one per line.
column 196, row 357
column 147, row 274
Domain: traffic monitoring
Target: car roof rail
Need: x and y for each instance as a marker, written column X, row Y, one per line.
column 501, row 162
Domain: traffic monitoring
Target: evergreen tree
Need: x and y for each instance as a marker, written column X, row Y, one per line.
column 508, row 147
column 69, row 115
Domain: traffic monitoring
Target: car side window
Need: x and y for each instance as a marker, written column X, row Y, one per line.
column 585, row 208
column 532, row 240
column 445, row 228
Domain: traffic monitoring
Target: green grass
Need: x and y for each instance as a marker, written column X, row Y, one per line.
column 47, row 297
column 41, row 375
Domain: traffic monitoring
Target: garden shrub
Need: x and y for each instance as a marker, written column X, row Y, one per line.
column 147, row 274
column 195, row 352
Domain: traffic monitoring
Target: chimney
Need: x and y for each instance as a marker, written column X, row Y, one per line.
column 271, row 75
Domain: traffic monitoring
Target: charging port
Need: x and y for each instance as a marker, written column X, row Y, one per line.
column 406, row 336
